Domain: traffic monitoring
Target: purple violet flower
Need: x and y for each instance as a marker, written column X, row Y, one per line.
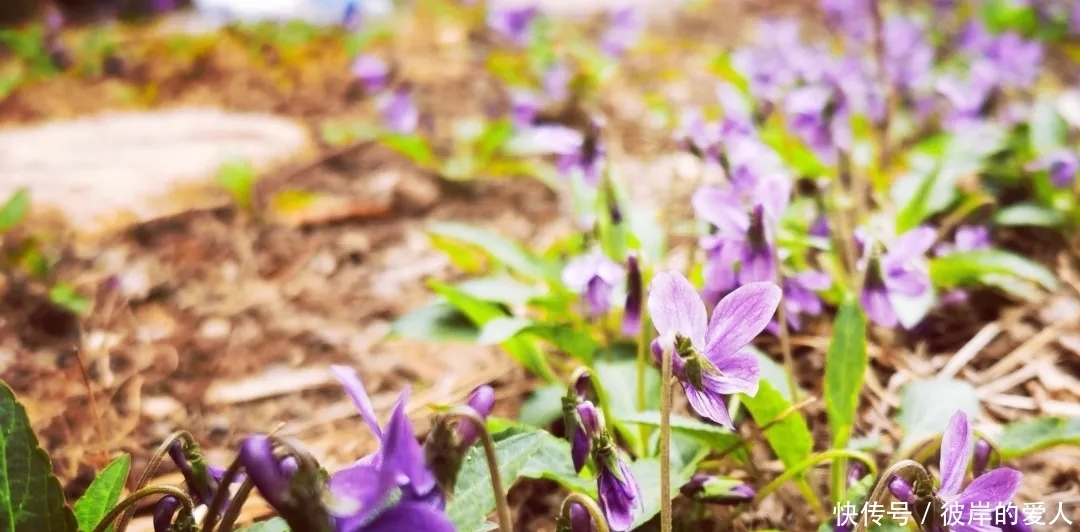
column 626, row 27
column 748, row 236
column 587, row 161
column 969, row 96
column 399, row 111
column 556, row 82
column 910, row 57
column 853, row 17
column 1062, row 165
column 709, row 359
column 967, row 238
column 1017, row 59
column 593, row 276
column 801, row 298
column 513, row 23
column 399, row 452
column 697, row 136
column 818, row 114
column 371, row 71
column 901, row 271
column 524, row 105
column 587, row 426
column 993, row 489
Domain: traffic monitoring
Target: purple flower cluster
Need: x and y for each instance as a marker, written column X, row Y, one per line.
column 391, row 489
column 990, row 489
column 620, row 495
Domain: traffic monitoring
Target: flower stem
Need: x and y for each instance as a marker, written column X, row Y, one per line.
column 642, row 364
column 599, row 521
column 151, row 471
column 882, row 486
column 222, row 495
column 665, row 441
column 232, row 512
column 785, row 334
column 813, row 460
column 134, row 498
column 506, row 523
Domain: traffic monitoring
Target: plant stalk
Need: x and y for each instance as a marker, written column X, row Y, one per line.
column 785, row 334
column 151, row 470
column 665, row 440
column 133, row 499
column 506, row 523
column 813, row 460
column 598, row 519
column 642, row 363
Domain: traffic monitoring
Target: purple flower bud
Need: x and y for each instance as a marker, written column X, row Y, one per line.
column 164, row 511
column 634, row 296
column 902, row 490
column 981, row 458
column 513, row 24
column 371, row 71
column 716, row 490
column 199, row 479
column 856, row 473
column 1061, row 165
column 524, row 106
column 482, row 401
column 265, row 471
column 583, row 385
column 620, row 495
column 580, row 520
column 590, row 418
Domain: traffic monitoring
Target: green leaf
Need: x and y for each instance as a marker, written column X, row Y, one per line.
column 438, row 321
column 714, row 437
column 647, row 473
column 1028, row 214
column 500, row 289
column 493, row 138
column 30, row 496
column 524, row 351
column 618, row 387
column 499, row 330
column 1047, row 130
column 14, row 209
column 498, row 248
column 415, row 147
column 543, row 406
column 845, row 369
column 937, row 165
column 473, row 499
column 789, row 438
column 65, row 295
column 976, row 267
column 552, row 462
column 276, row 524
column 1021, row 438
column 238, row 177
column 103, row 493
column 927, row 406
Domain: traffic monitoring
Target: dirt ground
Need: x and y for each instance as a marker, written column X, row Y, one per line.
column 224, row 325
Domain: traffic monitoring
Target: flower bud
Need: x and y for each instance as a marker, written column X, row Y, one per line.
column 981, row 458
column 265, row 471
column 902, row 490
column 717, row 490
column 164, row 511
column 482, row 401
column 634, row 294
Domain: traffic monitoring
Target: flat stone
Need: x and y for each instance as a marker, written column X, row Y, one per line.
column 128, row 167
